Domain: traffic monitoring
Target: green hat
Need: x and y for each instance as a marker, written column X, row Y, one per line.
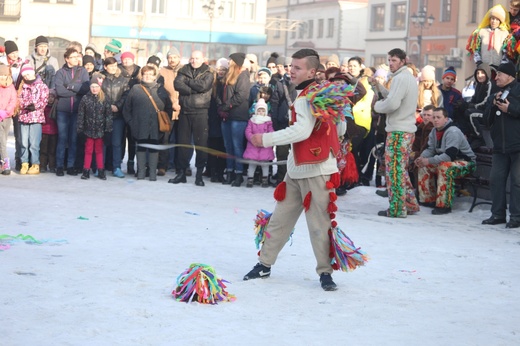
column 114, row 46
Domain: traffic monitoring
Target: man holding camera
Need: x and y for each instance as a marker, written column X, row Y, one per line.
column 502, row 115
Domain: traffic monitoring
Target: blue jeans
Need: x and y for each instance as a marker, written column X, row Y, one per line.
column 118, row 134
column 67, row 135
column 31, row 137
column 502, row 166
column 233, row 133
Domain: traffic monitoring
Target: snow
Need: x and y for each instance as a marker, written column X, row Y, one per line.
column 431, row 280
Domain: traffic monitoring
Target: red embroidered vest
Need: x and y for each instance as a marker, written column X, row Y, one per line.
column 322, row 141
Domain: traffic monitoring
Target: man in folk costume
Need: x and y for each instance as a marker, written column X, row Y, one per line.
column 307, row 185
column 399, row 105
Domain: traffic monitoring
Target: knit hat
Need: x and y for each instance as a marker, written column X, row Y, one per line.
column 450, row 71
column 114, row 46
column 97, row 78
column 260, row 104
column 508, row 68
column 154, row 60
column 41, row 40
column 222, row 62
column 252, row 58
column 265, row 70
column 280, row 60
column 173, row 51
column 10, row 47
column 498, row 12
column 428, row 73
column 321, row 68
column 238, row 58
column 344, row 62
column 88, row 59
column 334, row 59
column 127, row 55
column 272, row 58
column 92, row 47
column 288, row 61
column 27, row 69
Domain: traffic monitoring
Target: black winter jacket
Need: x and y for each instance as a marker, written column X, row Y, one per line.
column 235, row 98
column 194, row 87
column 94, row 117
column 116, row 89
column 71, row 84
column 505, row 127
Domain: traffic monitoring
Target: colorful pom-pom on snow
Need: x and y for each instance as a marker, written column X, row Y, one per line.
column 200, row 283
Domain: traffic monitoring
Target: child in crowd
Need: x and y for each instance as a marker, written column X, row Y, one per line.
column 485, row 43
column 94, row 122
column 429, row 94
column 514, row 14
column 260, row 122
column 49, row 135
column 8, row 102
column 265, row 93
column 263, row 76
column 33, row 98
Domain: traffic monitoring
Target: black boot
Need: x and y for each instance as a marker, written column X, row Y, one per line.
column 130, row 167
column 265, row 182
column 101, row 174
column 229, row 178
column 141, row 164
column 153, row 160
column 238, row 180
column 179, row 178
column 198, row 177
column 86, row 174
column 249, row 182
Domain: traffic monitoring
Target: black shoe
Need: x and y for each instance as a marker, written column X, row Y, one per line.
column 230, row 176
column 441, row 211
column 72, row 171
column 326, row 282
column 130, row 167
column 18, row 165
column 60, row 172
column 216, row 178
column 238, row 180
column 382, row 193
column 199, row 181
column 86, row 174
column 493, row 220
column 513, row 224
column 382, row 213
column 341, row 191
column 179, row 178
column 250, row 182
column 101, row 174
column 258, row 271
column 265, row 182
column 188, row 172
column 427, row 204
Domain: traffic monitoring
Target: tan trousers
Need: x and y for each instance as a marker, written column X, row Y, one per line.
column 286, row 214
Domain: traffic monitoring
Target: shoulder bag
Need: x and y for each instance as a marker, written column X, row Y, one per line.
column 165, row 124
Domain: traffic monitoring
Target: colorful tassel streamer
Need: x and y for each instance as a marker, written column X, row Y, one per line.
column 200, row 283
column 7, row 240
column 329, row 101
column 350, row 173
column 280, row 191
column 343, row 253
column 261, row 222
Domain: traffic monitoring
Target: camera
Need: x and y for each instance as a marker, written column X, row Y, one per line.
column 504, row 95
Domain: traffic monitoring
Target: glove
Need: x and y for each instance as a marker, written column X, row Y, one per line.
column 3, row 114
column 107, row 138
column 479, row 62
column 30, row 108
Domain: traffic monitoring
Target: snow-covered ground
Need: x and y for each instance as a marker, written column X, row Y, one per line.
column 113, row 249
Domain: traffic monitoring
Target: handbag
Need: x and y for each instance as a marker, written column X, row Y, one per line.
column 165, row 124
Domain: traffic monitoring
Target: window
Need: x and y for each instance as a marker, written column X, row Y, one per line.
column 114, row 5
column 184, row 7
column 378, row 18
column 310, row 28
column 64, row 1
column 229, row 9
column 446, row 11
column 473, row 16
column 399, row 16
column 277, row 33
column 330, row 27
column 158, row 7
column 41, row 1
column 136, row 6
column 301, row 30
column 247, row 10
column 379, row 60
column 320, row 28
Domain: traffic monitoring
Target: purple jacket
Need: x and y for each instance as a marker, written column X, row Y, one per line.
column 255, row 153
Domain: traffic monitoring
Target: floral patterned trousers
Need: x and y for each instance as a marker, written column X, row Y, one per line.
column 437, row 182
column 401, row 193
